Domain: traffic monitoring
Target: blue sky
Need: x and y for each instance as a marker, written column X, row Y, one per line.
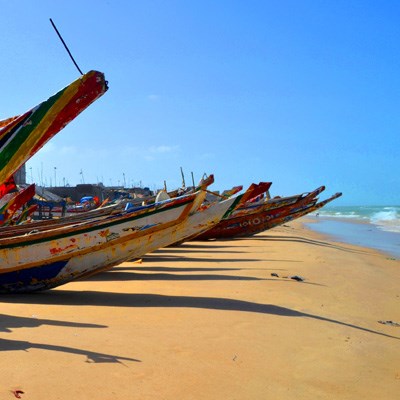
column 300, row 93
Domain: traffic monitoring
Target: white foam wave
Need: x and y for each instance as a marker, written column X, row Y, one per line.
column 389, row 214
column 340, row 214
column 387, row 220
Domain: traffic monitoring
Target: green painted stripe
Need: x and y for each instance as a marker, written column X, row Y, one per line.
column 28, row 128
column 233, row 206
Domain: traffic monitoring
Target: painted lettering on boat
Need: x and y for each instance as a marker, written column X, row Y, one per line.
column 255, row 221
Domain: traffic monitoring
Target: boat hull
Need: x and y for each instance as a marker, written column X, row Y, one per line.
column 255, row 220
column 42, row 260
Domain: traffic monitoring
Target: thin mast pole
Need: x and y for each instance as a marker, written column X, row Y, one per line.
column 66, row 47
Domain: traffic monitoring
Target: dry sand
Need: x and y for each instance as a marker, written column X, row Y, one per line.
column 206, row 320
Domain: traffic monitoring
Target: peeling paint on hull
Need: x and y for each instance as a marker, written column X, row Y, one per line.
column 42, row 260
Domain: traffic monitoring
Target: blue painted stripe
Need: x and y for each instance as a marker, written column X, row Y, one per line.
column 30, row 279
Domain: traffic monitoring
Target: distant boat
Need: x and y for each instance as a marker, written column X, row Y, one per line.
column 249, row 223
column 252, row 192
column 277, row 203
column 295, row 214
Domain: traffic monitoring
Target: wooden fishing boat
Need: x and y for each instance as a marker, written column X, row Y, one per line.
column 276, row 203
column 22, row 136
column 14, row 201
column 300, row 213
column 253, row 191
column 198, row 221
column 25, row 214
column 245, row 224
column 98, row 213
column 39, row 260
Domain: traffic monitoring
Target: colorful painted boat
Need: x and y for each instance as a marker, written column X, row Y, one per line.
column 256, row 220
column 9, row 206
column 46, row 224
column 45, row 259
column 276, row 203
column 22, row 136
column 253, row 191
column 25, row 214
column 198, row 221
column 300, row 213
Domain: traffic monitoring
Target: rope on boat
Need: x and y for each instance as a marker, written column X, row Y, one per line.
column 216, row 194
column 66, row 47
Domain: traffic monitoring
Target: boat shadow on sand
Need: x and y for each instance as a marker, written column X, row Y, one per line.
column 207, row 245
column 199, row 249
column 157, row 268
column 179, row 258
column 313, row 242
column 111, row 299
column 137, row 274
column 9, row 322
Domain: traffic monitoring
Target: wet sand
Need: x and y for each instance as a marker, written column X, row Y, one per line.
column 207, row 320
column 358, row 232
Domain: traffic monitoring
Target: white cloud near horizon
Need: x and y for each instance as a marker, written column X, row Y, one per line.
column 153, row 97
column 164, row 149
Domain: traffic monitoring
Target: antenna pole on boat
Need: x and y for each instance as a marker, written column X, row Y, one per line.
column 66, row 47
column 183, row 179
column 193, row 179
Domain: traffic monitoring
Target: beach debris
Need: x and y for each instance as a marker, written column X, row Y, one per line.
column 392, row 323
column 17, row 393
column 297, row 278
column 294, row 277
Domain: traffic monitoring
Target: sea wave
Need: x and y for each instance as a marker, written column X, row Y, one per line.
column 386, row 218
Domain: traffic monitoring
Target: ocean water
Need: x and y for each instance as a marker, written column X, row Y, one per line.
column 377, row 227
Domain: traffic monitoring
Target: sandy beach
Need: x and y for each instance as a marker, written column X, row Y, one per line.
column 214, row 320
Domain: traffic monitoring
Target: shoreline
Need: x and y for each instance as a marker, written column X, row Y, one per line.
column 357, row 232
column 208, row 320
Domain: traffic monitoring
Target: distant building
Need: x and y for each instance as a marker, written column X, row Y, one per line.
column 79, row 191
column 20, row 176
column 98, row 190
